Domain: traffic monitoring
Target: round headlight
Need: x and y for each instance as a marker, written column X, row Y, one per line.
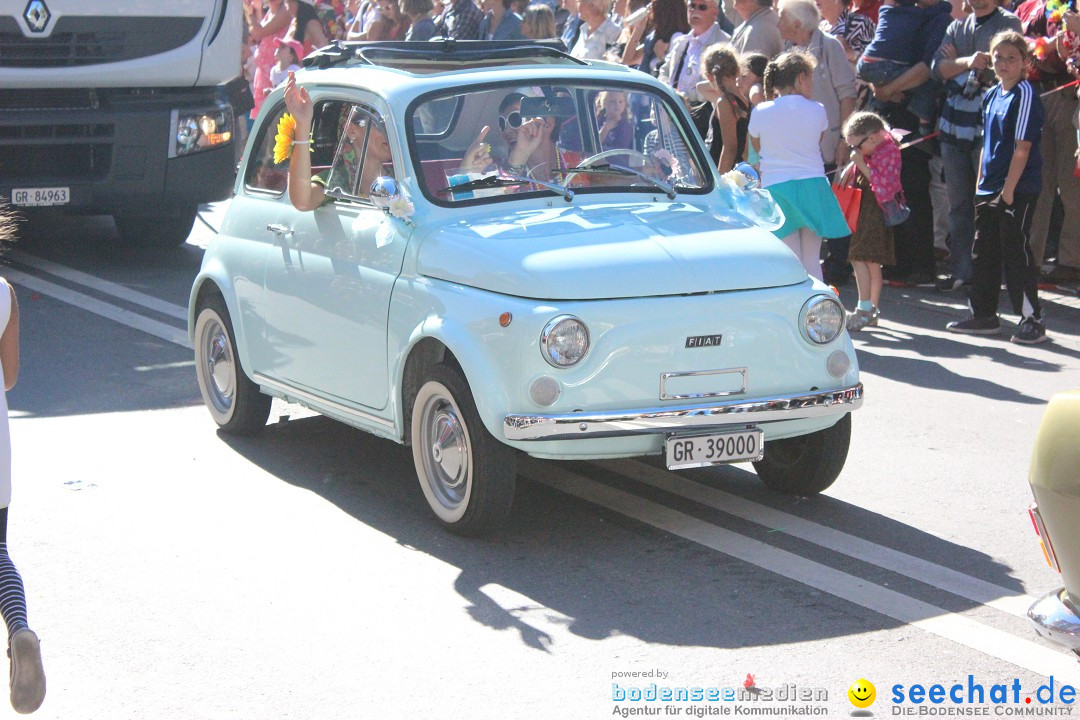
column 565, row 341
column 823, row 319
column 187, row 133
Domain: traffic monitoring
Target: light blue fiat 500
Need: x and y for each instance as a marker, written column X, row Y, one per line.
column 520, row 252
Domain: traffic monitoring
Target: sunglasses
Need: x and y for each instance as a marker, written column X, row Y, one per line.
column 512, row 120
column 859, row 144
column 700, row 7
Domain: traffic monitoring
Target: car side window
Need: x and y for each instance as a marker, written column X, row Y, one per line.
column 262, row 173
column 362, row 155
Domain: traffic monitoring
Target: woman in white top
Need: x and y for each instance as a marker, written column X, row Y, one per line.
column 786, row 131
column 27, row 675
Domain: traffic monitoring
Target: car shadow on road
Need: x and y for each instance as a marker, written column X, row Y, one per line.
column 599, row 573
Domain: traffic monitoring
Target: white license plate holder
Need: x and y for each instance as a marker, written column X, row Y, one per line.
column 732, row 446
column 40, row 197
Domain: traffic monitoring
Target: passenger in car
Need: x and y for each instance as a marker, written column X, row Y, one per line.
column 308, row 191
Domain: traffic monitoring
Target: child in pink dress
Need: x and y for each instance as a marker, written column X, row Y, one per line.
column 876, row 155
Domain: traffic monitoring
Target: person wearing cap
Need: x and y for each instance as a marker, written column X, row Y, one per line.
column 287, row 59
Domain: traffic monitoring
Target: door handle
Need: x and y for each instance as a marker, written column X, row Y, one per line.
column 280, row 232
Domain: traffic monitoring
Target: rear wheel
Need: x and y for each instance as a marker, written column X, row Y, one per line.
column 165, row 229
column 806, row 464
column 468, row 477
column 234, row 401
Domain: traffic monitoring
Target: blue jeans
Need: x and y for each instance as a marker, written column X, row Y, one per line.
column 920, row 100
column 961, row 169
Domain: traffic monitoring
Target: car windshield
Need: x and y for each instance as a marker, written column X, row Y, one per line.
column 486, row 144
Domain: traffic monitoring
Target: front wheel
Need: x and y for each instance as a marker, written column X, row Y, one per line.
column 233, row 399
column 806, row 464
column 467, row 476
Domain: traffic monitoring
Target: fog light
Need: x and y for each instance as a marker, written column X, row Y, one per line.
column 838, row 363
column 545, row 391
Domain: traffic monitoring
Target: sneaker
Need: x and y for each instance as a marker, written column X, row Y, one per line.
column 949, row 283
column 27, row 674
column 859, row 319
column 874, row 315
column 1030, row 332
column 976, row 326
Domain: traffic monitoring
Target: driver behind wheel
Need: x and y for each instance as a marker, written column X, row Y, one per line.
column 532, row 144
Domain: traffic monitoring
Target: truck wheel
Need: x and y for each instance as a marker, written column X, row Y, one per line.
column 806, row 464
column 467, row 475
column 234, row 401
column 166, row 229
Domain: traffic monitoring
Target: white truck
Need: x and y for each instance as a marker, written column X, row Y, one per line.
column 121, row 107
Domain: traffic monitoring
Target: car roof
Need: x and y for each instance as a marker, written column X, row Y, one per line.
column 407, row 69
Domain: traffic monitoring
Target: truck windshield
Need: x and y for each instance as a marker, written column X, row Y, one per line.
column 564, row 139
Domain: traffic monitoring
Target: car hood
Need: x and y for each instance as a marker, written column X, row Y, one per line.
column 605, row 251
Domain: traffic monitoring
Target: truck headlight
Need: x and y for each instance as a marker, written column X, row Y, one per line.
column 822, row 319
column 196, row 130
column 565, row 341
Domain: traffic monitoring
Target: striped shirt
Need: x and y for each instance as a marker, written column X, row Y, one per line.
column 961, row 117
column 1009, row 116
column 854, row 28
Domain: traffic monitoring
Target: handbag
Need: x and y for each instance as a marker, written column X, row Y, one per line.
column 848, row 196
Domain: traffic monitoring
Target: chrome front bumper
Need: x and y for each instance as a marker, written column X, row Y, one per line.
column 681, row 418
column 1055, row 620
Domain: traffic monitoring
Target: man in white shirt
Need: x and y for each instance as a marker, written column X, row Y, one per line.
column 598, row 32
column 682, row 68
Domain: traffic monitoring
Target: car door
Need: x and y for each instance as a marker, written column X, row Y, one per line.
column 245, row 241
column 328, row 283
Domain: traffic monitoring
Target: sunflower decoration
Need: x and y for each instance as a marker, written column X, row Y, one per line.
column 283, row 141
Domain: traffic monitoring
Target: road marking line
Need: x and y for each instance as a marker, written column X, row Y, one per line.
column 916, row 568
column 103, row 286
column 957, row 628
column 98, row 307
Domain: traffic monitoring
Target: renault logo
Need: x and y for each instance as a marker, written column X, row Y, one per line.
column 37, row 15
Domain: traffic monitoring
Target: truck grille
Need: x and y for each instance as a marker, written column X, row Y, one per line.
column 87, row 40
column 70, row 152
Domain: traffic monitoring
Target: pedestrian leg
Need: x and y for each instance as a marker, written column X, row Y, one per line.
column 986, row 261
column 810, row 252
column 1058, row 148
column 1021, row 273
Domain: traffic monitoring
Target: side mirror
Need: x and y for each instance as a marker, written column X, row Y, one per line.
column 383, row 188
column 751, row 175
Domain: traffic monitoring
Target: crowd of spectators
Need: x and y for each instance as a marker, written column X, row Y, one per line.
column 922, row 65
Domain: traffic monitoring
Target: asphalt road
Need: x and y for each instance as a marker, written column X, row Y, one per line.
column 173, row 572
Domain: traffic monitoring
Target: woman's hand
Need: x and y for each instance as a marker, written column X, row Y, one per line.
column 478, row 155
column 298, row 102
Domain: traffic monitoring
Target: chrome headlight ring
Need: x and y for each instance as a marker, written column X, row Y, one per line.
column 822, row 319
column 564, row 341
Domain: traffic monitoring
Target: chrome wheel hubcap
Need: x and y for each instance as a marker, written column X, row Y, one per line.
column 447, row 458
column 219, row 367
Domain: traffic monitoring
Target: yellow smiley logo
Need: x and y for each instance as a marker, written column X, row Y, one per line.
column 861, row 693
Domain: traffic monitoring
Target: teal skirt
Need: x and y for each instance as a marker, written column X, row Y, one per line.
column 809, row 203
